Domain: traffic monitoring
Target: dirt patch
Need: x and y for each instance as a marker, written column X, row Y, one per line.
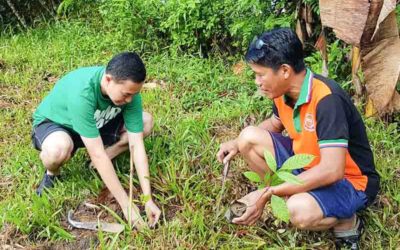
column 91, row 210
column 12, row 97
column 154, row 84
column 171, row 211
column 239, row 68
column 4, row 104
column 82, row 242
column 382, row 201
column 250, row 121
column 49, row 77
column 397, row 172
column 224, row 132
column 2, row 64
column 12, row 238
column 6, row 185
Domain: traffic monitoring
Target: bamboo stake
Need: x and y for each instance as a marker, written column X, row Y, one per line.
column 130, row 191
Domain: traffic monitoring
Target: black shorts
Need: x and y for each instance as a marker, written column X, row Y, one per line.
column 110, row 133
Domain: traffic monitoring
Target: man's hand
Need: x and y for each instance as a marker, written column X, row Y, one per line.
column 153, row 212
column 227, row 151
column 255, row 202
column 136, row 219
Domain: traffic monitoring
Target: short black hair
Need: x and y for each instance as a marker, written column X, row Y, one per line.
column 127, row 66
column 276, row 47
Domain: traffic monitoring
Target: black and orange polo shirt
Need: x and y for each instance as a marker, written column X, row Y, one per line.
column 324, row 116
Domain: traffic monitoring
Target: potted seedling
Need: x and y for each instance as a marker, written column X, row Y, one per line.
column 273, row 178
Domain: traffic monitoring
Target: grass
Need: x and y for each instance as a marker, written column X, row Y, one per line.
column 202, row 104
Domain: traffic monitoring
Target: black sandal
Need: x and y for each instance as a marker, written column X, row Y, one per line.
column 46, row 183
column 349, row 239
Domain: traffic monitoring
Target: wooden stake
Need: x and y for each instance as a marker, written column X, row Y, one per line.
column 130, row 191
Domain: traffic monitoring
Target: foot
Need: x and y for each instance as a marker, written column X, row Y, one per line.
column 47, row 182
column 349, row 239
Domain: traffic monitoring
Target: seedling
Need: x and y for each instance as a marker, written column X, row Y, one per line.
column 279, row 176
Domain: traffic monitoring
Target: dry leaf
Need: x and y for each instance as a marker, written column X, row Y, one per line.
column 355, row 66
column 321, row 46
column 372, row 20
column 238, row 68
column 150, row 85
column 347, row 18
column 381, row 66
column 299, row 31
column 369, row 109
column 387, row 8
column 369, row 25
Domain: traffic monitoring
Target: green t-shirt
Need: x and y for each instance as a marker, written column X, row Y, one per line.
column 76, row 102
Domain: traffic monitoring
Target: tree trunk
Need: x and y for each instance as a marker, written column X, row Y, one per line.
column 20, row 19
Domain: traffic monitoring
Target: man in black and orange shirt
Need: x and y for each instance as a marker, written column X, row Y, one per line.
column 321, row 120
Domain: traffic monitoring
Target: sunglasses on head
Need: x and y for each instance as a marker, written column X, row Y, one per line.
column 258, row 43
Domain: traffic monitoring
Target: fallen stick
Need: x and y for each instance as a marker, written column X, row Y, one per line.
column 221, row 194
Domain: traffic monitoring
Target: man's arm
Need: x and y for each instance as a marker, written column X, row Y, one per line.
column 136, row 147
column 107, row 173
column 272, row 124
column 329, row 170
column 230, row 148
column 332, row 124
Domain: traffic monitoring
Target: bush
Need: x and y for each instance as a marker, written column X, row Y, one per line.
column 188, row 26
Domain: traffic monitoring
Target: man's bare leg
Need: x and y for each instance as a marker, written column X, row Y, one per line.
column 305, row 213
column 252, row 142
column 122, row 145
column 56, row 150
column 345, row 224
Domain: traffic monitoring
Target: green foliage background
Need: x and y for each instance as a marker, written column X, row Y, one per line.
column 189, row 26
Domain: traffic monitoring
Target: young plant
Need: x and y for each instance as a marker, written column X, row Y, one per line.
column 278, row 176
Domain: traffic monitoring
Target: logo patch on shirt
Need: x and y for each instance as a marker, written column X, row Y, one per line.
column 102, row 117
column 309, row 123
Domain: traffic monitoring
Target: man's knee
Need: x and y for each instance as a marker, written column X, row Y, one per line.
column 304, row 211
column 57, row 153
column 148, row 123
column 252, row 136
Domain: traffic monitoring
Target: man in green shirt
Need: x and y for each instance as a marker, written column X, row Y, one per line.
column 92, row 107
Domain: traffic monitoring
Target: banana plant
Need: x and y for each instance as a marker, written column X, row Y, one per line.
column 278, row 176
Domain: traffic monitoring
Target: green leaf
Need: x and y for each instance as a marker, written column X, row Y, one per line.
column 63, row 233
column 270, row 160
column 144, row 198
column 289, row 177
column 261, row 186
column 297, row 161
column 276, row 180
column 252, row 176
column 279, row 208
column 267, row 177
